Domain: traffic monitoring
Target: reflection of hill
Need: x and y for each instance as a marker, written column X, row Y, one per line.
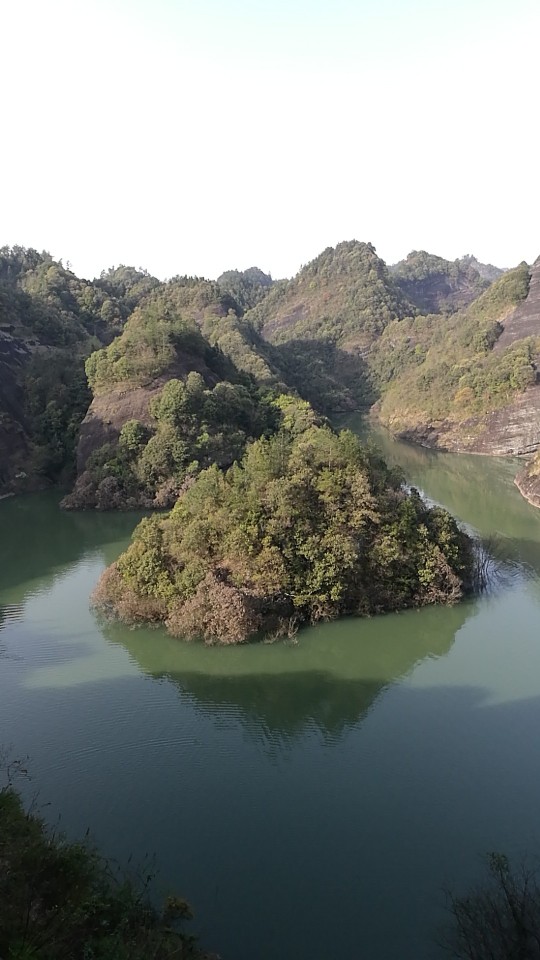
column 38, row 539
column 329, row 680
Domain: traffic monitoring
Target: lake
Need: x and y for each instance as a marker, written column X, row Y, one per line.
column 311, row 799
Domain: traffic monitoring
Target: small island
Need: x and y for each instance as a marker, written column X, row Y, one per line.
column 311, row 525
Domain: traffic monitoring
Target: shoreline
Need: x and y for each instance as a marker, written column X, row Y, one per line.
column 529, row 488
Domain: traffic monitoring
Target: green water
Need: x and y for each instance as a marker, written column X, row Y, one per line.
column 311, row 799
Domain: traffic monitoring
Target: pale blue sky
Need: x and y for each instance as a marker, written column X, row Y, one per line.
column 193, row 137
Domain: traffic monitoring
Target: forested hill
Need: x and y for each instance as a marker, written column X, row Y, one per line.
column 169, row 398
column 486, row 270
column 247, row 287
column 468, row 381
column 184, row 373
column 435, row 285
column 346, row 294
column 50, row 320
column 137, row 334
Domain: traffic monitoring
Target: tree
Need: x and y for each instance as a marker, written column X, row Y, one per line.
column 499, row 920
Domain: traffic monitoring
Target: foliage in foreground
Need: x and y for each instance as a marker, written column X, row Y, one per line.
column 62, row 901
column 310, row 526
column 499, row 920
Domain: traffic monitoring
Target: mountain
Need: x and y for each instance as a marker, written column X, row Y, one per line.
column 247, row 287
column 467, row 381
column 184, row 373
column 346, row 295
column 435, row 285
column 322, row 323
column 486, row 270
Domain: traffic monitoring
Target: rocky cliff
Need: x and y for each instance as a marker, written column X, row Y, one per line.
column 512, row 430
column 524, row 321
column 13, row 435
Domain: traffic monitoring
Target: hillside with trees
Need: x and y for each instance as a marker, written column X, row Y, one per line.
column 309, row 526
column 182, row 387
column 247, row 287
column 436, row 285
column 441, row 377
column 346, row 294
column 50, row 321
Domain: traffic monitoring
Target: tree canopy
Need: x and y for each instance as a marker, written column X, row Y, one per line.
column 311, row 525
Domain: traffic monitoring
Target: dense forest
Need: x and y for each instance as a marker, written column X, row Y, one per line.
column 309, row 525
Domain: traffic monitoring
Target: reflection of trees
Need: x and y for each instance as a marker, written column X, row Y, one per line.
column 328, row 681
column 38, row 538
column 478, row 490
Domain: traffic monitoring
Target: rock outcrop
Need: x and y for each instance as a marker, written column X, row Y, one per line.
column 529, row 487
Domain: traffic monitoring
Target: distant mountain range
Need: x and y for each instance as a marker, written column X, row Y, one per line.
column 442, row 352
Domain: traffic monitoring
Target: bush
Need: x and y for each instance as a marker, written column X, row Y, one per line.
column 499, row 920
column 62, row 901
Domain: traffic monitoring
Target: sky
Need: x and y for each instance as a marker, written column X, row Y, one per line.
column 196, row 136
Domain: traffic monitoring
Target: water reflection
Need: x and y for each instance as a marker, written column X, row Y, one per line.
column 328, row 681
column 479, row 490
column 38, row 540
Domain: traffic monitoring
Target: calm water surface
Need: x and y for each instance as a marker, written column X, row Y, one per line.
column 313, row 799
